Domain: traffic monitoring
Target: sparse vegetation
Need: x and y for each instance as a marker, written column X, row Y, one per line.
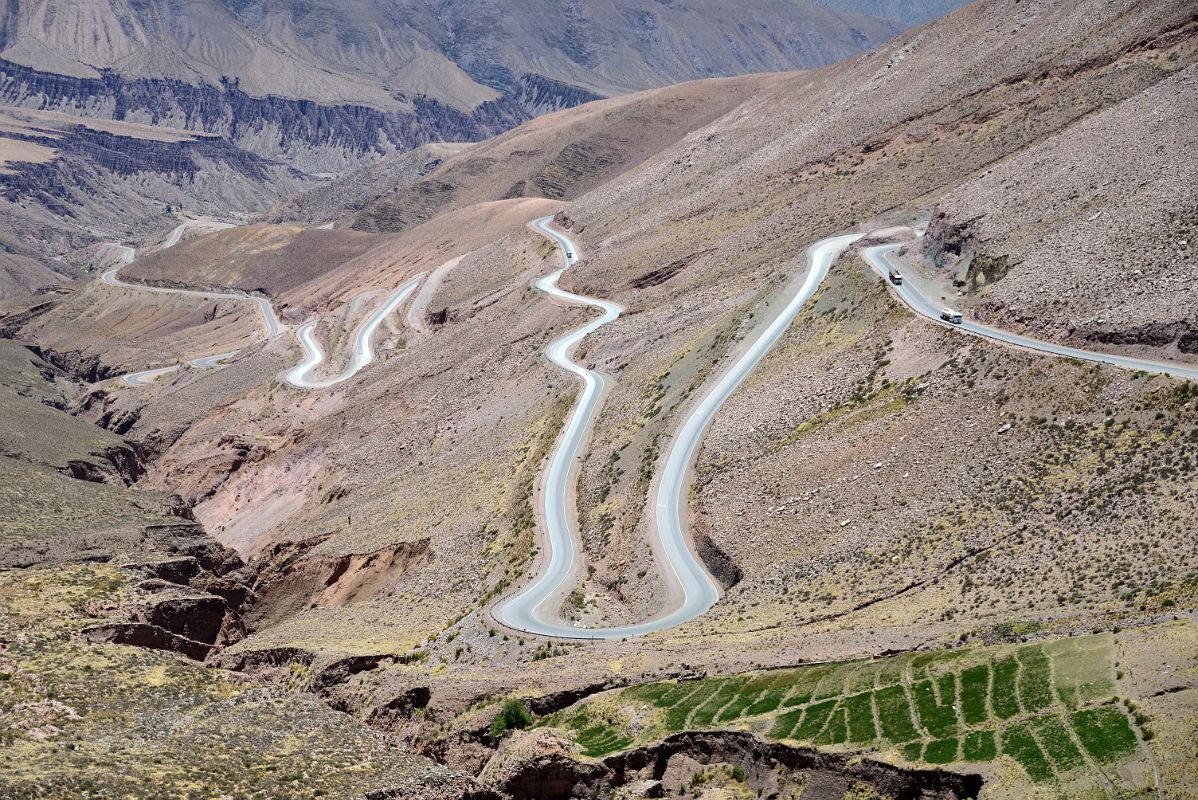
column 513, row 716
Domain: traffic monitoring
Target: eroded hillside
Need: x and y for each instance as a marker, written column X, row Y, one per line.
column 947, row 565
column 111, row 112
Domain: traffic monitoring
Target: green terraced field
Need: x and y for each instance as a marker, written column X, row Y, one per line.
column 1048, row 706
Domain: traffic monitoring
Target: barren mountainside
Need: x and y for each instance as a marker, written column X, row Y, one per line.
column 261, row 100
column 948, row 563
column 382, row 52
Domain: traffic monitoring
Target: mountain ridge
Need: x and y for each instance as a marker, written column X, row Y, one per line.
column 462, row 53
column 951, row 565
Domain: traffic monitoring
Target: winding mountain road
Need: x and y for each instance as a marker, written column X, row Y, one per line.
column 362, row 354
column 534, row 609
column 129, row 255
column 270, row 320
column 524, row 610
column 880, row 259
column 147, row 377
column 299, row 376
column 419, row 304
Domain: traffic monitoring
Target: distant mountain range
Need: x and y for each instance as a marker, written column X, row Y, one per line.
column 460, row 53
column 226, row 106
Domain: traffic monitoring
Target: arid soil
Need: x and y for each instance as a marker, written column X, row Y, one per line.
column 881, row 484
column 114, row 115
column 1117, row 202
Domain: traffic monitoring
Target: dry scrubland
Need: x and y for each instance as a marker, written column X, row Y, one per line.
column 84, row 558
column 881, row 486
column 1117, row 203
column 103, row 720
column 929, row 479
column 111, row 112
column 394, row 56
column 727, row 215
column 104, row 330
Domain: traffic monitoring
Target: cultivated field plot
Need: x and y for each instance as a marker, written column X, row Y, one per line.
column 1050, row 707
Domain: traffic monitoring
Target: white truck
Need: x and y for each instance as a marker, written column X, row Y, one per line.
column 950, row 316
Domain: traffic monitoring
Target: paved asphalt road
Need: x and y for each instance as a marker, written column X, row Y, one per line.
column 880, row 259
column 524, row 610
column 212, row 362
column 147, row 377
column 129, row 254
column 533, row 610
column 269, row 320
column 363, row 353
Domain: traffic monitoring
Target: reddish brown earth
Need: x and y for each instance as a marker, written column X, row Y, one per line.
column 879, row 483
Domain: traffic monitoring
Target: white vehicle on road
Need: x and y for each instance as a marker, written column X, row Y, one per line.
column 880, row 257
column 950, row 316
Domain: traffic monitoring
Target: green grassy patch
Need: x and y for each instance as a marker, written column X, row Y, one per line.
column 1056, row 742
column 600, row 740
column 979, row 746
column 894, row 713
column 749, row 693
column 860, row 712
column 654, row 693
column 814, row 720
column 1018, row 743
column 800, row 688
column 940, row 751
column 1003, row 699
column 975, row 686
column 766, row 702
column 937, row 714
column 705, row 714
column 939, row 708
column 678, row 713
column 1105, row 732
column 837, row 729
column 784, row 724
column 1035, row 679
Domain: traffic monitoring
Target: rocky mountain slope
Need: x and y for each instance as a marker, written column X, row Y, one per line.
column 909, row 12
column 228, row 108
column 384, row 53
column 919, row 506
column 112, row 596
column 1116, row 203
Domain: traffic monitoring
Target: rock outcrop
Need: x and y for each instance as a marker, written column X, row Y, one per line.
column 539, row 765
column 290, row 577
column 143, row 634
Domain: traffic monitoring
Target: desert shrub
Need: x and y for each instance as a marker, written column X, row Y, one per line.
column 513, row 716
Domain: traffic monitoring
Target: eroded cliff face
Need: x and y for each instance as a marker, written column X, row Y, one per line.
column 205, row 149
column 307, row 135
column 538, row 764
